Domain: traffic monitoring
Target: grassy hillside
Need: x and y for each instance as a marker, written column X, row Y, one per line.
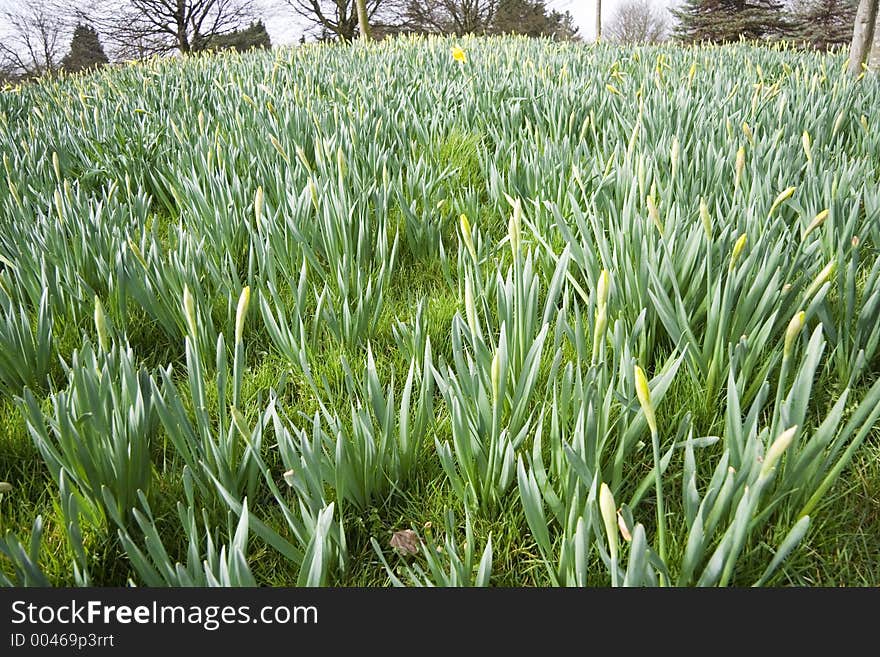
column 259, row 312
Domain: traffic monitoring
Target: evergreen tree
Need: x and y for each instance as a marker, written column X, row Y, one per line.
column 86, row 51
column 253, row 36
column 532, row 18
column 725, row 21
column 824, row 23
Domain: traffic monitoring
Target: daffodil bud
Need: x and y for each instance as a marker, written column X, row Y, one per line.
column 278, row 147
column 624, row 530
column 740, row 165
column 241, row 313
column 301, row 156
column 5, row 487
column 654, row 214
column 313, row 192
column 609, row 518
column 602, row 288
column 820, row 279
column 737, row 251
column 467, row 237
column 776, row 450
column 496, row 375
column 101, row 325
column 341, row 167
column 747, row 131
column 783, row 196
column 56, row 165
column 793, row 330
column 817, row 221
column 807, row 144
column 189, row 309
column 514, row 228
column 258, row 204
column 838, row 122
column 706, row 218
column 643, row 391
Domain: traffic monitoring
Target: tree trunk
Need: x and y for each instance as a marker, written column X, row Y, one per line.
column 598, row 21
column 874, row 56
column 864, row 34
column 363, row 21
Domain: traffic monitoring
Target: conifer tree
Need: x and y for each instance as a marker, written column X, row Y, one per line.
column 86, row 52
column 725, row 21
column 824, row 23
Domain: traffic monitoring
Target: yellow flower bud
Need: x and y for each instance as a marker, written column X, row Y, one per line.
column 189, row 309
column 820, row 280
column 101, row 325
column 241, row 312
column 737, row 250
column 258, row 204
column 609, row 517
column 784, row 195
column 791, row 333
column 706, row 218
column 602, row 289
column 817, row 221
column 513, row 227
column 740, row 165
column 776, row 450
column 643, row 391
column 467, row 237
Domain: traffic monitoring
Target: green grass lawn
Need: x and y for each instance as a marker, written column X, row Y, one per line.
column 260, row 312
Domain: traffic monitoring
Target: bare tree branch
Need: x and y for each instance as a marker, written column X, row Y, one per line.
column 135, row 29
column 636, row 21
column 35, row 39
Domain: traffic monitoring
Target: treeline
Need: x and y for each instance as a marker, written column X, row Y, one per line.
column 118, row 30
column 47, row 36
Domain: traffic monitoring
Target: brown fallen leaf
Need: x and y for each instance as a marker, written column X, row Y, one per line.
column 406, row 541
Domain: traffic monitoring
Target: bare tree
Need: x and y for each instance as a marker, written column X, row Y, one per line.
column 338, row 19
column 135, row 28
column 450, row 16
column 34, row 40
column 865, row 34
column 636, row 21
